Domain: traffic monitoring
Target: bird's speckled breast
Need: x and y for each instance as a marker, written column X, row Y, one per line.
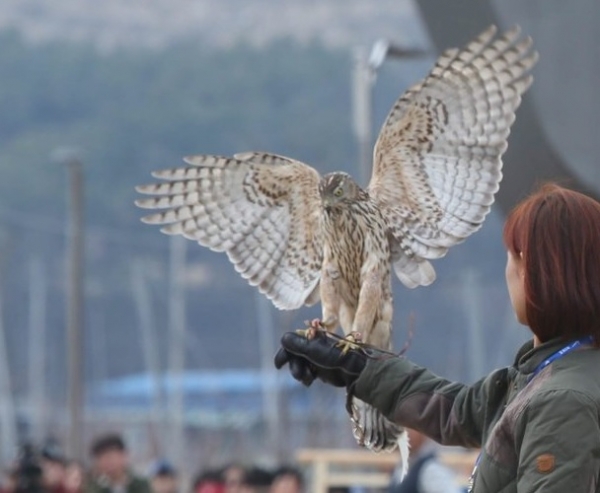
column 354, row 238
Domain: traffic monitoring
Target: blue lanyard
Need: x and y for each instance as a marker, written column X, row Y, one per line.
column 553, row 357
column 559, row 354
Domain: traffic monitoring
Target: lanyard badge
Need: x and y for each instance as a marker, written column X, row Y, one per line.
column 557, row 355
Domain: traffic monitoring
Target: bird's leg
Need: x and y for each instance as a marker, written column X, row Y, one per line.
column 370, row 300
column 347, row 314
column 330, row 303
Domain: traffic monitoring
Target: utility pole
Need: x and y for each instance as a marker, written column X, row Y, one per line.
column 152, row 365
column 364, row 76
column 362, row 80
column 37, row 346
column 75, row 300
column 176, row 357
column 8, row 423
column 270, row 387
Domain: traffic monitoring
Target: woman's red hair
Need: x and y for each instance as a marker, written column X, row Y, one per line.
column 557, row 232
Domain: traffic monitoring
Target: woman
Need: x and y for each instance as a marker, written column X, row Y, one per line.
column 537, row 421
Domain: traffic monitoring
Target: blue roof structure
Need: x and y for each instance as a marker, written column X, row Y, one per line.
column 210, row 397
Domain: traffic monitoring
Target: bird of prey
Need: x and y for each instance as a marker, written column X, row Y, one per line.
column 300, row 237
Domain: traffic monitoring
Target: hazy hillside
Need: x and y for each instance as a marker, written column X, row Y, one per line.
column 219, row 22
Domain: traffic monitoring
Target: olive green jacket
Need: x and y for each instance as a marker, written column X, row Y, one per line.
column 135, row 484
column 541, row 435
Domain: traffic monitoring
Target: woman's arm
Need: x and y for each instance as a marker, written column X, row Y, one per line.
column 449, row 412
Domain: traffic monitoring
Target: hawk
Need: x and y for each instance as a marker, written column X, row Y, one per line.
column 300, row 237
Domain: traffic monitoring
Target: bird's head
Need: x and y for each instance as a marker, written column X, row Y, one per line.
column 336, row 189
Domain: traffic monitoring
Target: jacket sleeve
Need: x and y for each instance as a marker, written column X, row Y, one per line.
column 451, row 413
column 560, row 449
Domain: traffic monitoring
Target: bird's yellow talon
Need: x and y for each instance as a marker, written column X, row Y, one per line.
column 302, row 332
column 350, row 342
column 309, row 332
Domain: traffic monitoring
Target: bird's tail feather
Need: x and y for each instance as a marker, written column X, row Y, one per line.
column 375, row 432
column 403, row 446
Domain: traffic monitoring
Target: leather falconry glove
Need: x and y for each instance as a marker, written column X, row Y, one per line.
column 320, row 357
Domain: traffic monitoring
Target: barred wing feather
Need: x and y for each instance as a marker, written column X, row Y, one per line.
column 438, row 158
column 261, row 209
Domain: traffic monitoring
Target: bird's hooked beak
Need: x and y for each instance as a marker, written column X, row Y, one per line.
column 326, row 203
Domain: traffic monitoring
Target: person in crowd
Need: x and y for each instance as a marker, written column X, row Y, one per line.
column 53, row 463
column 287, row 479
column 256, row 480
column 210, row 481
column 74, row 477
column 426, row 474
column 111, row 471
column 164, row 478
column 8, row 481
column 536, row 421
column 233, row 476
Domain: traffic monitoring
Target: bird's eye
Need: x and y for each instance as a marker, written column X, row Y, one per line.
column 338, row 192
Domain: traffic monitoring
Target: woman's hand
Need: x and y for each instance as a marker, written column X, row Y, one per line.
column 321, row 357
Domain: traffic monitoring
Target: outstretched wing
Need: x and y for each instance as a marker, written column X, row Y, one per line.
column 437, row 161
column 261, row 209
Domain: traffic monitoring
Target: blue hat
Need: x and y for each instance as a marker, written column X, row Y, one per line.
column 163, row 468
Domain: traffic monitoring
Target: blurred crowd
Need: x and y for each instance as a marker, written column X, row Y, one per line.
column 110, row 471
